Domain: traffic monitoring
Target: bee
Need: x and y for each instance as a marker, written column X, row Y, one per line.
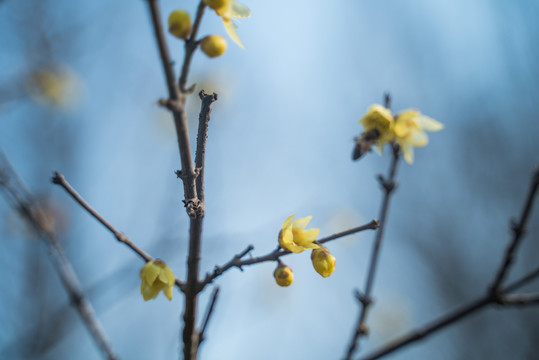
column 364, row 142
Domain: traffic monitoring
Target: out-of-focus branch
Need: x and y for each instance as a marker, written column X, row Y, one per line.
column 60, row 180
column 364, row 298
column 23, row 201
column 461, row 313
column 518, row 230
column 190, row 47
column 237, row 261
column 496, row 293
column 209, row 312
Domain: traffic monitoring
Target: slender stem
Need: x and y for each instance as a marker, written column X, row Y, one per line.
column 23, row 201
column 209, row 312
column 190, row 47
column 190, row 335
column 60, row 180
column 203, row 122
column 518, row 232
column 365, row 299
column 237, row 261
column 177, row 106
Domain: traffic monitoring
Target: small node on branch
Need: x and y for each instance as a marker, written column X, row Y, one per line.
column 172, row 105
column 190, row 89
column 363, row 329
column 58, row 178
column 178, row 174
column 515, row 227
column 194, row 208
column 388, row 186
column 364, row 300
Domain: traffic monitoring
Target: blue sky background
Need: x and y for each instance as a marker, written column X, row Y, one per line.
column 280, row 142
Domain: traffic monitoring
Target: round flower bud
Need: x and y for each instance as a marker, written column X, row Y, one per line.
column 283, row 275
column 213, row 45
column 179, row 24
column 323, row 261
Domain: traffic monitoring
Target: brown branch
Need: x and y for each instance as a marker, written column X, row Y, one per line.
column 176, row 104
column 237, row 261
column 190, row 47
column 519, row 230
column 209, row 312
column 456, row 315
column 520, row 299
column 203, row 122
column 60, row 180
column 388, row 185
column 23, row 201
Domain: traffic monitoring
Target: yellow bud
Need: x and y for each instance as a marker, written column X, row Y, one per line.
column 156, row 276
column 179, row 24
column 213, row 45
column 283, row 275
column 323, row 261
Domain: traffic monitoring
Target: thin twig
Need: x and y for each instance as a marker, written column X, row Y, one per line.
column 176, row 104
column 23, row 201
column 518, row 230
column 60, row 180
column 209, row 312
column 190, row 47
column 237, row 261
column 365, row 300
column 200, row 155
column 452, row 317
column 520, row 299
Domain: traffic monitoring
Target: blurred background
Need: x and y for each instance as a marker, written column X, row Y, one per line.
column 79, row 83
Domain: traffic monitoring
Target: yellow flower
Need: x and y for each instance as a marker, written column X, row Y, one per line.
column 230, row 10
column 323, row 261
column 179, row 24
column 283, row 275
column 156, row 276
column 295, row 238
column 409, row 130
column 380, row 119
column 213, row 45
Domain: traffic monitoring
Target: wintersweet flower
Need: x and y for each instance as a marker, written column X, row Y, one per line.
column 378, row 120
column 230, row 10
column 283, row 275
column 156, row 276
column 295, row 238
column 323, row 261
column 409, row 131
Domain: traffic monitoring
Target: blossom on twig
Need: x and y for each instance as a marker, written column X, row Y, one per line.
column 156, row 276
column 230, row 10
column 295, row 238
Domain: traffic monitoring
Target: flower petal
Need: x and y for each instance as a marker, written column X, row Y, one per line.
column 408, row 152
column 306, row 238
column 302, row 222
column 430, row 124
column 288, row 220
column 230, row 28
column 239, row 10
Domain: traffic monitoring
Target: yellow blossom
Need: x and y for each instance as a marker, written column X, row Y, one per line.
column 295, row 238
column 156, row 276
column 213, row 45
column 179, row 24
column 323, row 261
column 283, row 275
column 230, row 10
column 380, row 119
column 409, row 131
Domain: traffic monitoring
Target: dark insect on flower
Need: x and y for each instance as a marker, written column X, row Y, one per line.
column 364, row 142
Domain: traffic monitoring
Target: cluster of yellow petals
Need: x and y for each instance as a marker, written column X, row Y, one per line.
column 407, row 128
column 295, row 238
column 229, row 10
column 156, row 276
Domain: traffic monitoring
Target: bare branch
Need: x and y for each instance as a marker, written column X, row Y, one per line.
column 203, row 122
column 388, row 185
column 209, row 312
column 518, row 231
column 23, row 201
column 520, row 299
column 60, row 179
column 459, row 314
column 237, row 261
